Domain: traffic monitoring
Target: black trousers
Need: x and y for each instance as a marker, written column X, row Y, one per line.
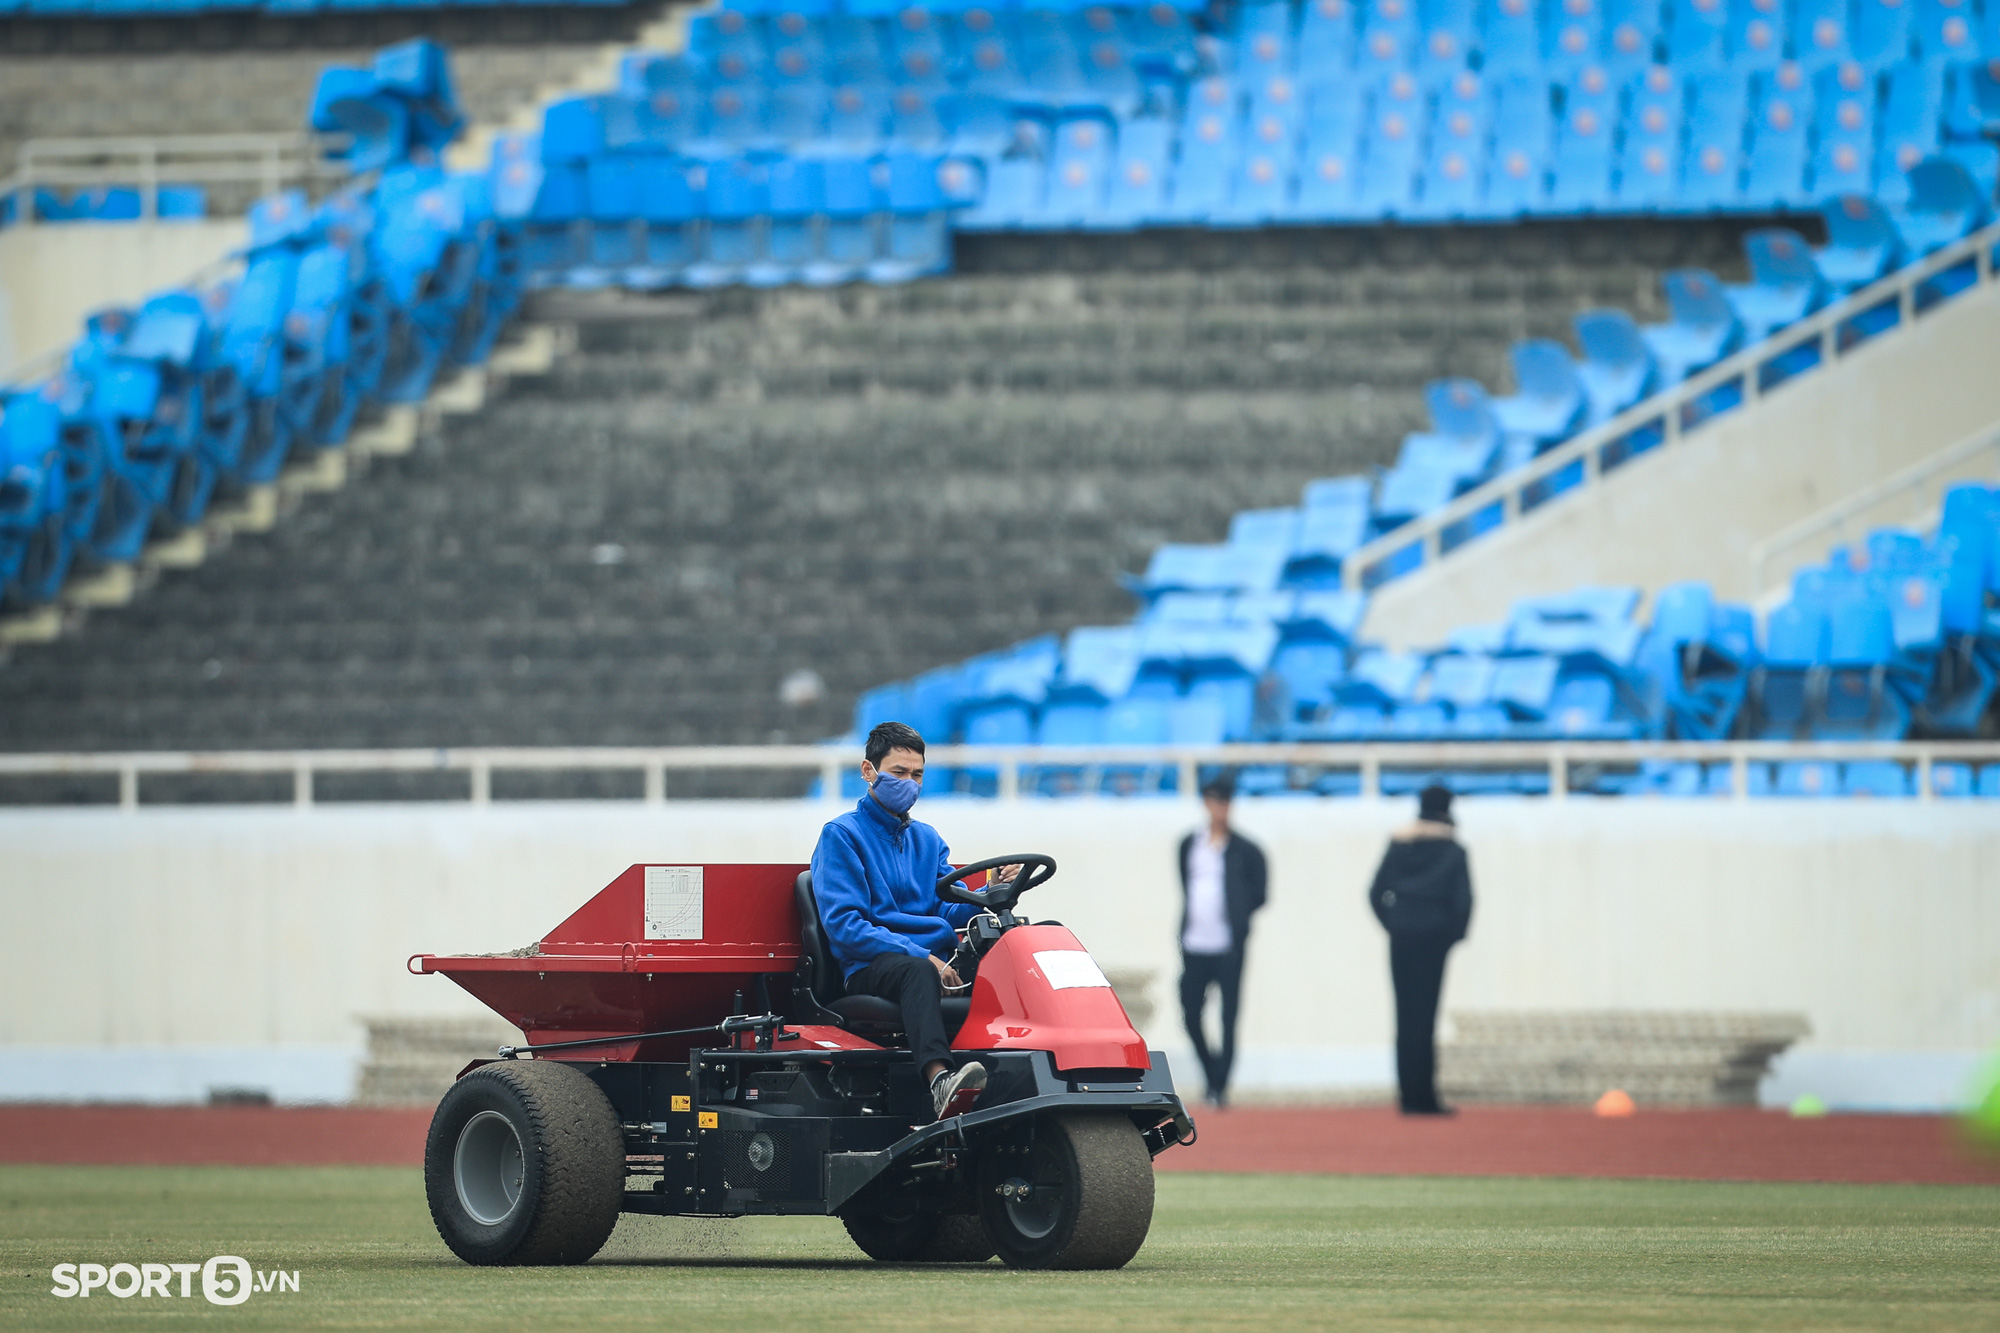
column 1199, row 971
column 913, row 983
column 1416, row 967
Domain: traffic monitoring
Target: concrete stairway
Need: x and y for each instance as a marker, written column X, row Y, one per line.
column 1657, row 1058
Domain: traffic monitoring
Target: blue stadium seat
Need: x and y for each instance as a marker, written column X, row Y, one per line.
column 847, row 241
column 1110, row 78
column 796, row 113
column 1862, row 243
column 1856, row 701
column 1702, row 329
column 730, row 44
column 914, row 119
column 1511, row 38
column 1548, row 404
column 1451, row 34
column 1785, row 284
column 1785, row 686
column 1943, row 206
column 1073, row 723
column 1455, row 165
column 46, row 507
column 1809, row 778
column 1945, row 30
column 1820, row 31
column 857, row 115
column 1881, row 34
column 1632, row 33
column 1208, row 148
column 1584, row 155
column 1309, row 672
column 1757, row 35
column 1390, row 36
column 1573, row 37
column 1844, row 125
column 1261, row 185
column 1136, row 192
column 1333, row 523
column 1952, row 781
column 1392, row 146
column 1908, row 127
column 976, row 124
column 1160, row 32
column 1649, row 160
column 1617, row 367
column 1712, row 169
column 1697, row 32
column 1263, row 41
column 1517, row 177
column 1324, row 46
column 1879, row 778
column 1329, row 155
column 1780, row 140
column 1080, row 172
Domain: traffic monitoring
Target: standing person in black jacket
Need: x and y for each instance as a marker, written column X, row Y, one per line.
column 1422, row 895
column 1222, row 883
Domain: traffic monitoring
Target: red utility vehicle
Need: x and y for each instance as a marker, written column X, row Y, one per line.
column 648, row 1084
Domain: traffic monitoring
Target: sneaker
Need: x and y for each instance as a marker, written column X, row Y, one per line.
column 954, row 1092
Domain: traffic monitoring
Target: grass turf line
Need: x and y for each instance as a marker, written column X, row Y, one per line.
column 1226, row 1252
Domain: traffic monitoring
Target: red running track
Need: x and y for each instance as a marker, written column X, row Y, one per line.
column 1559, row 1141
column 1480, row 1141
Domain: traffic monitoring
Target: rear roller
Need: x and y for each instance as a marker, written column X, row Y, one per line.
column 1077, row 1194
column 525, row 1164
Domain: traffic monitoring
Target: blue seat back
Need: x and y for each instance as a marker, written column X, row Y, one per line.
column 1796, row 636
column 1757, row 33
column 1881, row 31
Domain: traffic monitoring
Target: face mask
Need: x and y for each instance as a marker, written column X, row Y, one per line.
column 896, row 794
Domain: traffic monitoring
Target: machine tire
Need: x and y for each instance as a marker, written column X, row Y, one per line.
column 566, row 1146
column 921, row 1238
column 1093, row 1194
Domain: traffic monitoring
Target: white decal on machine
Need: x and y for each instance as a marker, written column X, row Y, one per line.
column 1065, row 968
column 673, row 902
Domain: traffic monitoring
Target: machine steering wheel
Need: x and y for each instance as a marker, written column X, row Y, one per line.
column 1036, row 870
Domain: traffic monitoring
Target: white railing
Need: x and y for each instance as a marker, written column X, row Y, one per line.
column 1667, row 411
column 1910, row 490
column 270, row 161
column 1007, row 764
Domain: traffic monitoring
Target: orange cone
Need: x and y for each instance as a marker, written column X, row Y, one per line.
column 1615, row 1102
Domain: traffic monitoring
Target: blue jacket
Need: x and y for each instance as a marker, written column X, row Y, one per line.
column 875, row 875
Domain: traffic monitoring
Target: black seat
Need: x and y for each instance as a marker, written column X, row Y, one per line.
column 866, row 1015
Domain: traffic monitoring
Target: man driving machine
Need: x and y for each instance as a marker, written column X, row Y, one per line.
column 875, row 874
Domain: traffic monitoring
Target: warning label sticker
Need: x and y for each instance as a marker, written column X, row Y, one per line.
column 673, row 902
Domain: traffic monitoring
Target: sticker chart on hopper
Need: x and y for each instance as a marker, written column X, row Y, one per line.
column 673, row 903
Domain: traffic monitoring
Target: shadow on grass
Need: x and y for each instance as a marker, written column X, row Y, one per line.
column 782, row 1265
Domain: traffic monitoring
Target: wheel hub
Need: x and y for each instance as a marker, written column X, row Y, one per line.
column 1033, row 1210
column 488, row 1168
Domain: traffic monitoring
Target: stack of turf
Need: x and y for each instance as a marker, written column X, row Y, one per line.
column 411, row 1061
column 1660, row 1058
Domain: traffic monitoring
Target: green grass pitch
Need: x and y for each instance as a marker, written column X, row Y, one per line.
column 1226, row 1252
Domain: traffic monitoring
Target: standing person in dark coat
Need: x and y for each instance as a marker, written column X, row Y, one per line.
column 1422, row 895
column 1222, row 884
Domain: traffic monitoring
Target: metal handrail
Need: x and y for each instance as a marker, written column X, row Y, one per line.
column 1665, row 409
column 1836, row 518
column 829, row 762
column 268, row 159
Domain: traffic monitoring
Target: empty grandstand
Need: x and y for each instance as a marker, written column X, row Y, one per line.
column 1173, row 303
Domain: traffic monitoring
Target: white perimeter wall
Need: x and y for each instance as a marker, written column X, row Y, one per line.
column 53, row 275
column 157, row 953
